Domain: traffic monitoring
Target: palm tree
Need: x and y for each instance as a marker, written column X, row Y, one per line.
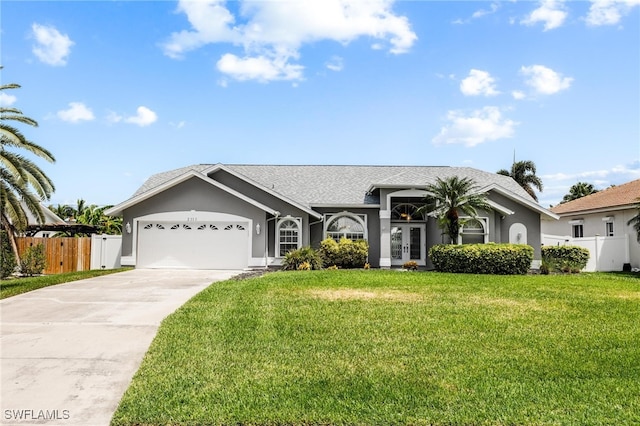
column 446, row 197
column 579, row 190
column 63, row 211
column 22, row 183
column 94, row 215
column 635, row 221
column 524, row 172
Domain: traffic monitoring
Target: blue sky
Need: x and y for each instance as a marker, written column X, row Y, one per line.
column 123, row 90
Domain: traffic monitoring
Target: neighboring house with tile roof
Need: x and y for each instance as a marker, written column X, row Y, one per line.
column 217, row 216
column 599, row 215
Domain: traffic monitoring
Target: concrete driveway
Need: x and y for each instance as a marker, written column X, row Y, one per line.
column 69, row 351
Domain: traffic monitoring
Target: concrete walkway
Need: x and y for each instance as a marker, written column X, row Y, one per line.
column 69, row 351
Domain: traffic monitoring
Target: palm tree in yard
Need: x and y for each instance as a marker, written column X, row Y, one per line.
column 579, row 190
column 524, row 172
column 447, row 197
column 22, row 183
column 635, row 221
column 63, row 211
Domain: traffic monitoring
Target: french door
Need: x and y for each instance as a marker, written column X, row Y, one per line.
column 408, row 242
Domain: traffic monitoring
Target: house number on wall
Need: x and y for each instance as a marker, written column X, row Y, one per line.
column 192, row 219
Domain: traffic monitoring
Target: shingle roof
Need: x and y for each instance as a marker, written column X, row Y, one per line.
column 340, row 185
column 617, row 196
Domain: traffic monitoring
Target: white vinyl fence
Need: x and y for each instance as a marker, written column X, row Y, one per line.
column 105, row 251
column 605, row 253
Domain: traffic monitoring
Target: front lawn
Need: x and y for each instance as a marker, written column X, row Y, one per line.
column 14, row 286
column 386, row 347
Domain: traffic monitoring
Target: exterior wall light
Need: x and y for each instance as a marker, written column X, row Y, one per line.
column 127, row 227
column 257, row 229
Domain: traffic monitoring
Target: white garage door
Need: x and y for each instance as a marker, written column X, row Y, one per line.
column 195, row 245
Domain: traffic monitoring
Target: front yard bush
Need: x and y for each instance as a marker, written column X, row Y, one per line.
column 346, row 254
column 570, row 259
column 304, row 258
column 33, row 261
column 500, row 259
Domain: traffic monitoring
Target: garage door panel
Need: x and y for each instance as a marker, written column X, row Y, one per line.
column 208, row 245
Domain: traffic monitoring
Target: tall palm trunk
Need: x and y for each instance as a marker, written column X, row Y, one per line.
column 12, row 239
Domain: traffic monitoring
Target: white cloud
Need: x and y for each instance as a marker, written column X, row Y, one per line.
column 77, row 112
column 609, row 12
column 51, row 47
column 518, row 95
column 7, row 100
column 486, row 124
column 482, row 12
column 335, row 64
column 114, row 117
column 493, row 8
column 271, row 33
column 560, row 183
column 544, row 80
column 621, row 173
column 478, row 83
column 144, row 117
column 259, row 68
column 550, row 12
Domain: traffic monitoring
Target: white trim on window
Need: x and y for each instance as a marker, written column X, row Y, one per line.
column 288, row 235
column 577, row 230
column 483, row 221
column 346, row 231
column 608, row 229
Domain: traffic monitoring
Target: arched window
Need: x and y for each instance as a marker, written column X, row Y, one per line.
column 406, row 212
column 473, row 231
column 346, row 225
column 288, row 231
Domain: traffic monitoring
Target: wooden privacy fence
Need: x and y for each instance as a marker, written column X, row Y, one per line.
column 63, row 254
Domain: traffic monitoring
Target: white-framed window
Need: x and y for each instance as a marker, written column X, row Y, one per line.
column 289, row 232
column 474, row 231
column 346, row 225
column 608, row 229
column 406, row 212
column 577, row 231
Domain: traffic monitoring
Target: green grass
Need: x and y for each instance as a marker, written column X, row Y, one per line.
column 14, row 286
column 385, row 347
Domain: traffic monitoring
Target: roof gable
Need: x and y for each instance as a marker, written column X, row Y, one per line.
column 620, row 196
column 189, row 174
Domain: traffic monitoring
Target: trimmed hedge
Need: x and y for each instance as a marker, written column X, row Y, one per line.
column 564, row 258
column 346, row 254
column 491, row 258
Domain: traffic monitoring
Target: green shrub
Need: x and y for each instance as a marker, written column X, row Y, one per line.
column 33, row 260
column 346, row 254
column 303, row 258
column 501, row 259
column 7, row 258
column 565, row 258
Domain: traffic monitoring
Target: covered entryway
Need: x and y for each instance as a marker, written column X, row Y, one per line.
column 408, row 243
column 193, row 243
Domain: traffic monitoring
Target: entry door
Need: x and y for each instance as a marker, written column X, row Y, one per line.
column 408, row 242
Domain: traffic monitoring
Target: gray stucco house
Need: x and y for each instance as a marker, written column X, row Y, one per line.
column 221, row 216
